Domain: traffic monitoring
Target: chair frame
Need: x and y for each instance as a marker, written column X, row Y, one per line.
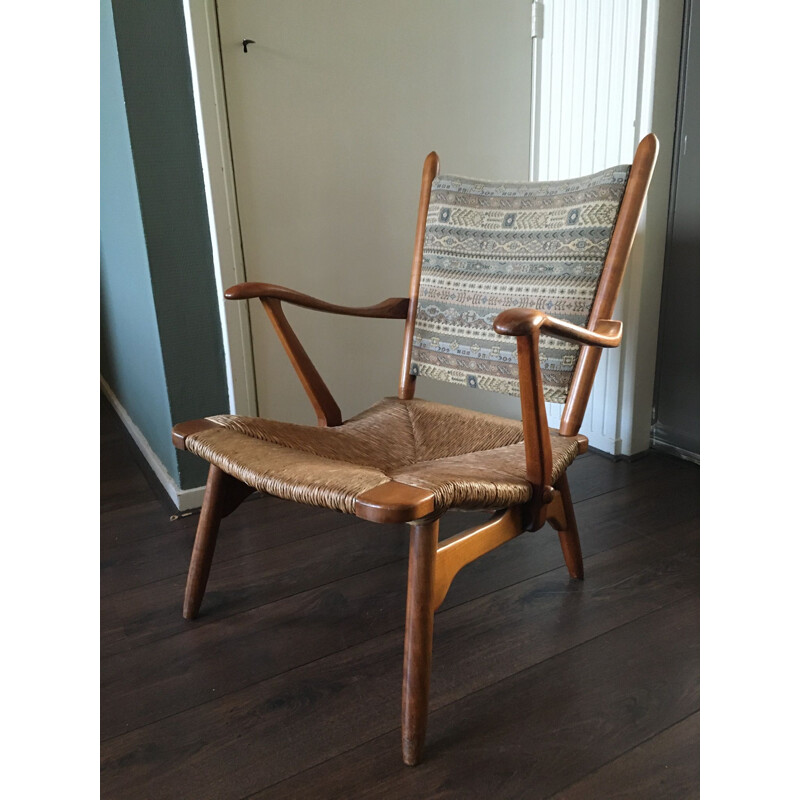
column 434, row 564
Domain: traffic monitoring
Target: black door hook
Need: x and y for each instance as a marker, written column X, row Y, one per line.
column 246, row 42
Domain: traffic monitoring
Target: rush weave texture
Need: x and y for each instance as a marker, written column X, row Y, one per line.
column 467, row 459
column 491, row 246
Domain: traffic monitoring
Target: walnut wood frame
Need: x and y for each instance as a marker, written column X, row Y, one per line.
column 434, row 564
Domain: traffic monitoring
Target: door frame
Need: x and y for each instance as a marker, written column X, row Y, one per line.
column 659, row 56
column 202, row 35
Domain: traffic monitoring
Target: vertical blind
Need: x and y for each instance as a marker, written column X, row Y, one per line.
column 588, row 96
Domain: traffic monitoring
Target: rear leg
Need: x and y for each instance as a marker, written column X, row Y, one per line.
column 562, row 518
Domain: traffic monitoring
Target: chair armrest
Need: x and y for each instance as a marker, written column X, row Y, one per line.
column 391, row 308
column 527, row 325
column 271, row 296
column 523, row 322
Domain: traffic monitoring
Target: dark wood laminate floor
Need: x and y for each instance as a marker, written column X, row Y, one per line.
column 288, row 685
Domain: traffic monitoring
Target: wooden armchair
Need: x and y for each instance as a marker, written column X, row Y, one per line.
column 512, row 290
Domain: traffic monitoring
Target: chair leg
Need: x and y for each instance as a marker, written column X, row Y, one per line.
column 568, row 532
column 223, row 494
column 419, row 638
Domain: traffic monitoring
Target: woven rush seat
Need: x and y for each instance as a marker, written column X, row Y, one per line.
column 469, row 460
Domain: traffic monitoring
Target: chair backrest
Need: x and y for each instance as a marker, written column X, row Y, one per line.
column 490, row 246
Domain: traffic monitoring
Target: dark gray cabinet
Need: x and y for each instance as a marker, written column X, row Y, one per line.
column 676, row 411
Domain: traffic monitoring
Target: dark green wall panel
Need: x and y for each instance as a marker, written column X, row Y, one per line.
column 130, row 349
column 156, row 78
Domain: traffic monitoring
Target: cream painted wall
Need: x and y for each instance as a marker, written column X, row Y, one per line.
column 332, row 112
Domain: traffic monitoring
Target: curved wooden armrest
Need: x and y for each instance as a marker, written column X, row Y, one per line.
column 391, row 308
column 271, row 297
column 524, row 321
column 527, row 324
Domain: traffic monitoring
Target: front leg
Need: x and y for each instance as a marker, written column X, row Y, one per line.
column 561, row 515
column 419, row 638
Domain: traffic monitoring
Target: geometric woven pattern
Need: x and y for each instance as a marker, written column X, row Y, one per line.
column 491, row 246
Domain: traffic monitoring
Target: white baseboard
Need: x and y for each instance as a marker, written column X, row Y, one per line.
column 184, row 499
column 607, row 444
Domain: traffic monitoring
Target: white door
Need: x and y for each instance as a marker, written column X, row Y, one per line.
column 332, row 111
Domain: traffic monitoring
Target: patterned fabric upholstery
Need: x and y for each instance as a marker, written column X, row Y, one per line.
column 492, row 246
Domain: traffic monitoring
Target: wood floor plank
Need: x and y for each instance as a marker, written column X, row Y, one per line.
column 123, row 482
column 666, row 767
column 593, row 473
column 529, row 735
column 288, row 684
column 304, row 716
column 135, row 521
column 151, row 611
column 122, row 479
column 265, row 523
column 308, row 625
